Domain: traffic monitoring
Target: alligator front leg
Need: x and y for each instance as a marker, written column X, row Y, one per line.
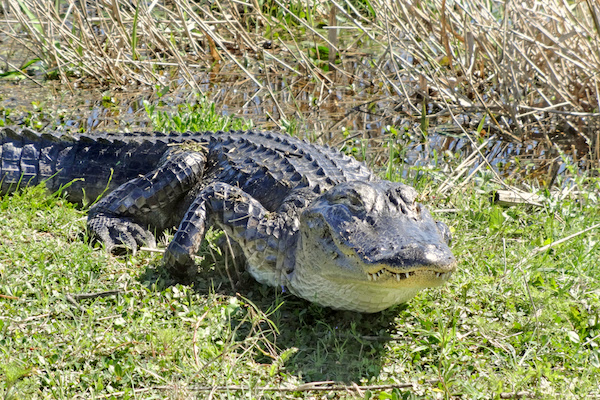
column 228, row 207
column 126, row 216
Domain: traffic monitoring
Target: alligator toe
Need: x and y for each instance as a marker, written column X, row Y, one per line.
column 118, row 235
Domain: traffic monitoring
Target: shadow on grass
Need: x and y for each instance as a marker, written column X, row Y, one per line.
column 332, row 345
column 325, row 344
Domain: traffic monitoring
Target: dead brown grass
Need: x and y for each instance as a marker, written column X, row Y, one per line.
column 530, row 68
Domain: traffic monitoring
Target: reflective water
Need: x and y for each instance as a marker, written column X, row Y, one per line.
column 349, row 112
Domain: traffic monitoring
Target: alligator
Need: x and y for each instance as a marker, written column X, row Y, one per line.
column 306, row 217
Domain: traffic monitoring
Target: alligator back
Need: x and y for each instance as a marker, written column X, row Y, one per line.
column 269, row 166
column 264, row 164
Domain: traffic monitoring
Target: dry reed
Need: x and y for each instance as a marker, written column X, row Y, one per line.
column 530, row 67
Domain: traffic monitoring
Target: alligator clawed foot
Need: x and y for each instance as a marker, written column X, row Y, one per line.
column 119, row 235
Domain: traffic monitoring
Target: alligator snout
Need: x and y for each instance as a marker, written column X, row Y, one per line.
column 436, row 257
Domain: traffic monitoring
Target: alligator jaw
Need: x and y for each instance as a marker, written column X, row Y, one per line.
column 415, row 278
column 382, row 274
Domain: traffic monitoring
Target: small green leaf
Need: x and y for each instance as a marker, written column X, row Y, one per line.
column 496, row 218
column 573, row 336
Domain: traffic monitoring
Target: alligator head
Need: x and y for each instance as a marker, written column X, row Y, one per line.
column 366, row 246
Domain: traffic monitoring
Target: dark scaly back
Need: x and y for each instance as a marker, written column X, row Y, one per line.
column 268, row 165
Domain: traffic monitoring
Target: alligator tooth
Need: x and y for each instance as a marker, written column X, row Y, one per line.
column 397, row 277
column 374, row 277
column 370, row 277
column 406, row 275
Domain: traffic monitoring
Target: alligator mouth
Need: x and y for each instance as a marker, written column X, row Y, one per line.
column 400, row 276
column 424, row 276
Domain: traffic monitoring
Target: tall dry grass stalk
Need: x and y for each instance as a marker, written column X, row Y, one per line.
column 530, row 67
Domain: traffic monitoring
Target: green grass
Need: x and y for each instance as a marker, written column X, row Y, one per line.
column 508, row 321
column 200, row 116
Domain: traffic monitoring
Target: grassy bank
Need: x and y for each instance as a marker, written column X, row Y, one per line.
column 517, row 319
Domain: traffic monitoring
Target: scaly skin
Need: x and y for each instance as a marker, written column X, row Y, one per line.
column 305, row 216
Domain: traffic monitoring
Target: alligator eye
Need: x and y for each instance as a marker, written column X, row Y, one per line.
column 350, row 201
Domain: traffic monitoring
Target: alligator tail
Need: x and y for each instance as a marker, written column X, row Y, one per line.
column 85, row 167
